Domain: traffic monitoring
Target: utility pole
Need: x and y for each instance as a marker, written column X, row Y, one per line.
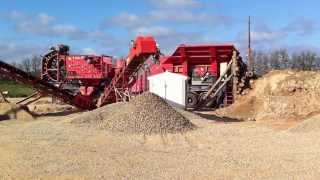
column 250, row 59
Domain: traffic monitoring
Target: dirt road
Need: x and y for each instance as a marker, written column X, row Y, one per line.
column 53, row 148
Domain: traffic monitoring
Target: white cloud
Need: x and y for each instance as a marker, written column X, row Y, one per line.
column 32, row 25
column 14, row 15
column 165, row 21
column 42, row 24
column 164, row 25
column 126, row 20
column 263, row 34
column 166, row 16
column 302, row 26
column 185, row 16
column 157, row 31
column 176, row 3
column 44, row 18
column 88, row 50
column 267, row 36
column 63, row 30
column 11, row 51
column 172, row 15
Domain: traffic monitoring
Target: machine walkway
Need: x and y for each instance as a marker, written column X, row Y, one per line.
column 139, row 53
column 43, row 87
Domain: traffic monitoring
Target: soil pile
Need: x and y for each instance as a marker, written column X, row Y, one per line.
column 311, row 124
column 144, row 114
column 279, row 95
column 12, row 111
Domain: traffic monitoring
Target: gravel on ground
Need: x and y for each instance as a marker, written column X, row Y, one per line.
column 144, row 114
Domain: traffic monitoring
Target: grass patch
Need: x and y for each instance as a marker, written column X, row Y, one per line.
column 15, row 89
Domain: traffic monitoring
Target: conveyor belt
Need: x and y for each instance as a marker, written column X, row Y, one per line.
column 143, row 48
column 41, row 86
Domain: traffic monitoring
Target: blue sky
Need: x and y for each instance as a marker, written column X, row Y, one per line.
column 106, row 27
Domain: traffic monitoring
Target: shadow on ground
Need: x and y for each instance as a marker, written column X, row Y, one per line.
column 4, row 117
column 212, row 117
column 53, row 114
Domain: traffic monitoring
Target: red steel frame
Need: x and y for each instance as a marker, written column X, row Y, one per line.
column 187, row 56
column 92, row 71
column 125, row 77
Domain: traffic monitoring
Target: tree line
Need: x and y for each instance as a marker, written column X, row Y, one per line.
column 281, row 59
column 264, row 61
column 31, row 65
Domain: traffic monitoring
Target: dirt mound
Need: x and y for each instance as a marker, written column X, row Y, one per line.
column 308, row 125
column 144, row 114
column 279, row 95
column 12, row 111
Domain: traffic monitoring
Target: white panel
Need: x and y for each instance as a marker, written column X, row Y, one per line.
column 169, row 86
column 223, row 67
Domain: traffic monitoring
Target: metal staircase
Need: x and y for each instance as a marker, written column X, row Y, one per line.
column 222, row 84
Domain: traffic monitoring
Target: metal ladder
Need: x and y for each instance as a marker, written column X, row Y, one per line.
column 219, row 85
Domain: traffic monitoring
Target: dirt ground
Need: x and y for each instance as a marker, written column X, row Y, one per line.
column 221, row 148
column 280, row 99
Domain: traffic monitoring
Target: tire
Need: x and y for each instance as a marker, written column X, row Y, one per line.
column 192, row 100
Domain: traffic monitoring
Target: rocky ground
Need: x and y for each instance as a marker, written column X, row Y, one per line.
column 271, row 133
column 220, row 148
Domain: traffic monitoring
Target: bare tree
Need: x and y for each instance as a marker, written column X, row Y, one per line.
column 35, row 65
column 305, row 60
column 26, row 65
column 317, row 62
column 275, row 60
column 284, row 59
column 15, row 64
column 31, row 65
column 261, row 60
column 281, row 59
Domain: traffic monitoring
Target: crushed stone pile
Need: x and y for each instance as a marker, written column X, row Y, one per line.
column 10, row 111
column 144, row 114
column 279, row 95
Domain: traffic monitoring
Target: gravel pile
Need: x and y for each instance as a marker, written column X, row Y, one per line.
column 144, row 114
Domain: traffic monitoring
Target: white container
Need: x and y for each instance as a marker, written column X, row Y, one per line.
column 169, row 86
